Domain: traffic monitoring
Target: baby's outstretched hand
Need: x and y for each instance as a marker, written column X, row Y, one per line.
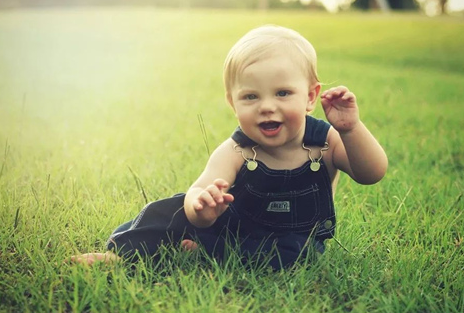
column 340, row 108
column 212, row 202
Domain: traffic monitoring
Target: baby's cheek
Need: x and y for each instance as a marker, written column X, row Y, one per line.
column 296, row 118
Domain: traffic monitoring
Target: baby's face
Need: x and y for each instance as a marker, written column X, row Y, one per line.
column 271, row 98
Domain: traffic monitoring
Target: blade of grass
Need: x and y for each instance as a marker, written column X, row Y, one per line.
column 204, row 134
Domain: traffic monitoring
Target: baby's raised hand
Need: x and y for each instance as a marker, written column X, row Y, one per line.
column 340, row 108
column 213, row 201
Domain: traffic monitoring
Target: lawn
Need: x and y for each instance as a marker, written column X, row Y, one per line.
column 100, row 112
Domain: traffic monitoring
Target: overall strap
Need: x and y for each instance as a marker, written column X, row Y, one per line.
column 315, row 134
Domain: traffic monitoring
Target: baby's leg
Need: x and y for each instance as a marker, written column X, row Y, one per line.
column 109, row 257
column 163, row 221
column 90, row 258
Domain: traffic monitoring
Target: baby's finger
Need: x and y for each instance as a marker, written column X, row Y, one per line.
column 338, row 92
column 348, row 96
column 334, row 92
column 341, row 89
column 206, row 196
column 228, row 198
column 197, row 206
column 327, row 94
column 221, row 183
column 215, row 193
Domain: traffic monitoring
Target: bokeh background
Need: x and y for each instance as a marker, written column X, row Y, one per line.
column 430, row 7
column 106, row 105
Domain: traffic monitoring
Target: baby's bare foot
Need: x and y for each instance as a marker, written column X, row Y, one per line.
column 189, row 245
column 90, row 258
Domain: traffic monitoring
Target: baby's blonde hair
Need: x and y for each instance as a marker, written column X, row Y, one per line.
column 264, row 40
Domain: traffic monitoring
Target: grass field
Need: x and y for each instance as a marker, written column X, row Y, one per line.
column 95, row 103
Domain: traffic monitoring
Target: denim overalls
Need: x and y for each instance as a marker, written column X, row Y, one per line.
column 286, row 213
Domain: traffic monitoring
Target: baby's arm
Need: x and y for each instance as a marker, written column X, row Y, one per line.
column 207, row 198
column 356, row 151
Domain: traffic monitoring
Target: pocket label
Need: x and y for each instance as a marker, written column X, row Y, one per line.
column 279, row 206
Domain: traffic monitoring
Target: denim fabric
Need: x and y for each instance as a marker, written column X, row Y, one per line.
column 298, row 200
column 277, row 215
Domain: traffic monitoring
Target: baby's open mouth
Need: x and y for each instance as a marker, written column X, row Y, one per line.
column 269, row 125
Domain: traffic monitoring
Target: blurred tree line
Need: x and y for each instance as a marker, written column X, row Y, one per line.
column 394, row 4
column 243, row 4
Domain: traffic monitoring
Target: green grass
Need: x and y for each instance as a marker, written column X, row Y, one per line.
column 89, row 95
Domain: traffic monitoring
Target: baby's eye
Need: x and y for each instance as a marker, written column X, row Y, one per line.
column 283, row 93
column 251, row 97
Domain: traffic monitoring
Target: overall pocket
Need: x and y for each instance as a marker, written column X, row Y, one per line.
column 286, row 210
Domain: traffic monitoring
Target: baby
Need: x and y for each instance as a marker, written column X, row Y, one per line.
column 268, row 189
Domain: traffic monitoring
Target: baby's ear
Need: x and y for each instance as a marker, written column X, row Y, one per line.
column 312, row 96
